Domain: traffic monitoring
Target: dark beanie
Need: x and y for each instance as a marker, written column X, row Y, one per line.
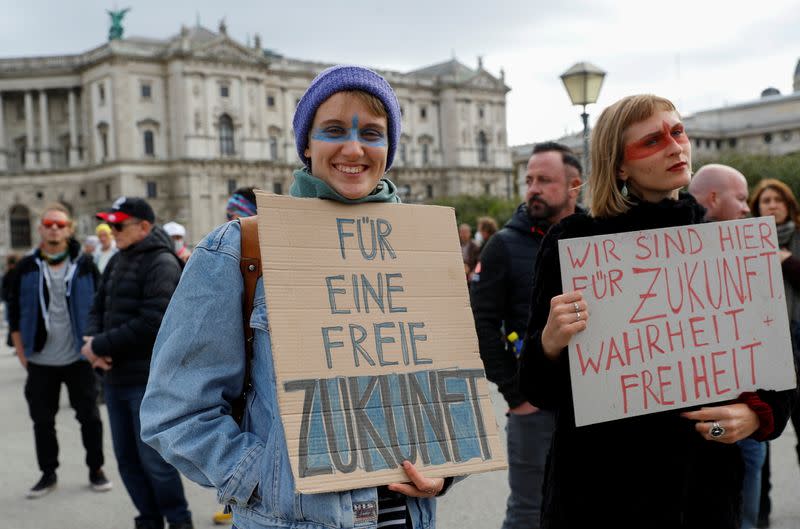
column 339, row 79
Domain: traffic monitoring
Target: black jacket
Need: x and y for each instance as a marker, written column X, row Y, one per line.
column 134, row 292
column 651, row 471
column 500, row 293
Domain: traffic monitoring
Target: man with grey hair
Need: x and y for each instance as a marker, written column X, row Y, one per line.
column 722, row 190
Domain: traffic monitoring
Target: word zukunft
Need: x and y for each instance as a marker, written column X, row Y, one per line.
column 377, row 422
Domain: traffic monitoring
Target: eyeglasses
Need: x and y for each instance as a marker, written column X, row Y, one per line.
column 119, row 226
column 60, row 224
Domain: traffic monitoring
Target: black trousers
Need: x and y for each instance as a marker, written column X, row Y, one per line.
column 42, row 391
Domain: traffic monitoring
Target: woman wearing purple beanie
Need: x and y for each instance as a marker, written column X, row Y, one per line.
column 347, row 126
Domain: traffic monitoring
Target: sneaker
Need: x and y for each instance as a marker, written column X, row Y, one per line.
column 182, row 525
column 44, row 486
column 222, row 517
column 98, row 481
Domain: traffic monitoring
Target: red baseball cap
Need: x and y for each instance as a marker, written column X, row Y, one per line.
column 126, row 207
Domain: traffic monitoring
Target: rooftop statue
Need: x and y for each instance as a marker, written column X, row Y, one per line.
column 116, row 30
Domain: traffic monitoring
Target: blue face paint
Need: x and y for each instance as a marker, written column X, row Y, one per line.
column 368, row 136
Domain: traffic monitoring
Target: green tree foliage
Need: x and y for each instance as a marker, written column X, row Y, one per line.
column 756, row 167
column 470, row 208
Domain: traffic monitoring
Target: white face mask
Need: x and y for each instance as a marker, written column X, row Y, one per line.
column 178, row 244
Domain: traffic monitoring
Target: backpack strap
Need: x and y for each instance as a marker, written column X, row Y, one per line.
column 250, row 266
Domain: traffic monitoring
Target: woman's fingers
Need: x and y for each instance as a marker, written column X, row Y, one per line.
column 724, row 424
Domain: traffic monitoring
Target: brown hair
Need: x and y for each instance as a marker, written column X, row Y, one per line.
column 487, row 224
column 608, row 147
column 373, row 104
column 783, row 190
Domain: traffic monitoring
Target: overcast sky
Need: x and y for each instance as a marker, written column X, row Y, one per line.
column 699, row 53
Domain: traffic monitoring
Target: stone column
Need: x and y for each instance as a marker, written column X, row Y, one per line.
column 44, row 132
column 3, row 151
column 73, row 129
column 30, row 161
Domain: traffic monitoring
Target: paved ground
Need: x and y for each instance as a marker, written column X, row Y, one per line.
column 477, row 503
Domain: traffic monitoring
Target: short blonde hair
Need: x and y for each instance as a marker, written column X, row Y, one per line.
column 102, row 228
column 58, row 206
column 608, row 149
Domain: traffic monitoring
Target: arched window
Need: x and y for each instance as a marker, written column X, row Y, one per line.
column 483, row 149
column 226, row 135
column 149, row 145
column 20, row 227
column 273, row 148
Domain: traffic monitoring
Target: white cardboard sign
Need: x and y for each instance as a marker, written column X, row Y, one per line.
column 678, row 317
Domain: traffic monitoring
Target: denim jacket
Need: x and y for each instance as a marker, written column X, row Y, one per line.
column 197, row 370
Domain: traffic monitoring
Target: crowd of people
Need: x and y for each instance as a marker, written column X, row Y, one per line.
column 133, row 303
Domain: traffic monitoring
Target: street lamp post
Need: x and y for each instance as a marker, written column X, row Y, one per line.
column 583, row 82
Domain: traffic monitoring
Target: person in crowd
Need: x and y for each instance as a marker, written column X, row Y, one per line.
column 241, row 204
column 347, row 127
column 8, row 277
column 49, row 301
column 773, row 197
column 90, row 244
column 666, row 470
column 177, row 233
column 107, row 248
column 487, row 227
column 722, row 190
column 125, row 316
column 500, row 293
column 469, row 249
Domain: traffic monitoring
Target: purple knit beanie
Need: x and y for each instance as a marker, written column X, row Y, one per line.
column 339, row 79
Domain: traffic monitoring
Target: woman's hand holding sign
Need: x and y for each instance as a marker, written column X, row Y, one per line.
column 420, row 486
column 568, row 316
column 725, row 424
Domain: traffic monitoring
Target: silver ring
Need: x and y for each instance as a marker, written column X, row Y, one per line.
column 716, row 431
column 576, row 307
column 577, row 316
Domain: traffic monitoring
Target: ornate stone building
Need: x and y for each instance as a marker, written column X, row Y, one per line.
column 186, row 120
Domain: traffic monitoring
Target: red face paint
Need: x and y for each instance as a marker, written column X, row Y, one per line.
column 656, row 142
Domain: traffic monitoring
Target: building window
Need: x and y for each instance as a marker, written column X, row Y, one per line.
column 403, row 152
column 101, row 93
column 429, row 191
column 146, row 90
column 719, row 144
column 732, row 143
column 487, row 188
column 226, row 135
column 698, row 143
column 149, row 146
column 786, row 135
column 20, row 227
column 102, row 131
column 273, row 148
column 152, row 190
column 768, row 137
column 277, row 188
column 426, row 154
column 480, row 112
column 483, row 148
column 270, row 101
column 20, row 111
column 231, row 186
column 21, row 146
column 423, row 112
column 224, row 90
column 108, row 191
column 708, row 144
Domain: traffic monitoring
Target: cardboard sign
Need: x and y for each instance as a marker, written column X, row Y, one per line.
column 678, row 317
column 374, row 345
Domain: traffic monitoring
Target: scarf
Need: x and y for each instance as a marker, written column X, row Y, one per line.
column 785, row 233
column 56, row 258
column 306, row 185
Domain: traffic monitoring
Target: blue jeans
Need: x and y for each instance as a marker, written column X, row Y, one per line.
column 528, row 438
column 153, row 484
column 753, row 455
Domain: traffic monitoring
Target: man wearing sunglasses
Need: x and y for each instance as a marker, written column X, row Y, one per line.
column 48, row 312
column 133, row 295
